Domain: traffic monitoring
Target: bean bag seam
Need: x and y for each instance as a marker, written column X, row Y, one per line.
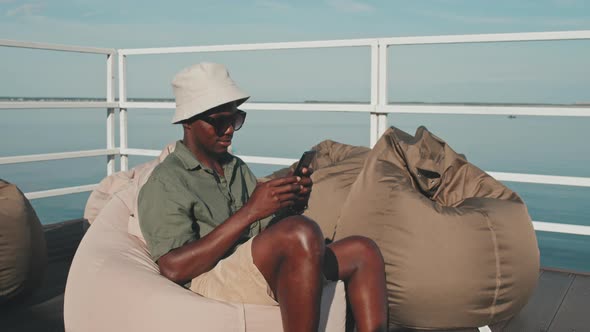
column 498, row 272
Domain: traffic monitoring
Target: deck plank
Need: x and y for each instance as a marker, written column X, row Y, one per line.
column 574, row 313
column 539, row 312
column 43, row 310
column 46, row 316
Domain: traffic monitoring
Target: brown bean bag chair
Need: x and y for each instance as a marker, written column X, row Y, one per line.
column 459, row 247
column 336, row 167
column 23, row 253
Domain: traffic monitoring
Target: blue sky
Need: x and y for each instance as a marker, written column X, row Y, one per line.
column 170, row 23
column 529, row 72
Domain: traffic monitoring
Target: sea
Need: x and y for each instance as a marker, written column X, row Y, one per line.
column 522, row 144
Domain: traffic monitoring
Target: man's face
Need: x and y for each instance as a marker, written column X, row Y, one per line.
column 214, row 130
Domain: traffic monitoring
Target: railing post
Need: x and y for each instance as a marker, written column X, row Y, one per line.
column 110, row 113
column 374, row 93
column 123, row 112
column 378, row 90
column 383, row 89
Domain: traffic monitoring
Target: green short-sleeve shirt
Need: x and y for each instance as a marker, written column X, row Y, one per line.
column 183, row 201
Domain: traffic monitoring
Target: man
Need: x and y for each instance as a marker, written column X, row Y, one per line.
column 204, row 218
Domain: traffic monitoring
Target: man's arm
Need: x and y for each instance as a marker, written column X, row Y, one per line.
column 195, row 258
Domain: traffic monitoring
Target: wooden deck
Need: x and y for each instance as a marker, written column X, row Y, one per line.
column 561, row 302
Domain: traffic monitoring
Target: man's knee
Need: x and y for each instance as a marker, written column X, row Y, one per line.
column 366, row 248
column 301, row 234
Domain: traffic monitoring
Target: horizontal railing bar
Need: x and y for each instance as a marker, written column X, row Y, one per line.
column 322, row 107
column 56, row 47
column 542, row 179
column 524, row 110
column 269, row 160
column 140, row 152
column 533, row 110
column 488, row 38
column 60, row 191
column 250, row 159
column 446, row 39
column 501, row 176
column 148, row 105
column 309, row 107
column 250, row 47
column 57, row 156
column 56, row 104
column 561, row 228
column 538, row 225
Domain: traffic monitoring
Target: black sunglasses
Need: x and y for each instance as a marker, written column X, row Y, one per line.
column 221, row 123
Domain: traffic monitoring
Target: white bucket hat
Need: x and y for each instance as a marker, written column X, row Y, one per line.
column 202, row 87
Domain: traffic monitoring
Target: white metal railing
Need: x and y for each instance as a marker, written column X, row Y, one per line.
column 56, row 47
column 535, row 110
column 111, row 151
column 487, row 110
column 378, row 107
column 58, row 156
column 60, row 191
column 56, row 104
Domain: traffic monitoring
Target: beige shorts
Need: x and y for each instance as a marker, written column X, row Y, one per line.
column 235, row 279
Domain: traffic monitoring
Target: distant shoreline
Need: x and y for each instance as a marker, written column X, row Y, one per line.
column 93, row 99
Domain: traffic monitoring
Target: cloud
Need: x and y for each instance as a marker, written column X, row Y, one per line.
column 92, row 13
column 550, row 22
column 273, row 4
column 28, row 9
column 566, row 3
column 6, row 1
column 471, row 19
column 566, row 23
column 351, row 6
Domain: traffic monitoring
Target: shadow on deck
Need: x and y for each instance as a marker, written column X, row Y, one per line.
column 560, row 302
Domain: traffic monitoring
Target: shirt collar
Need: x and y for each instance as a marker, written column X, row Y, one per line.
column 190, row 162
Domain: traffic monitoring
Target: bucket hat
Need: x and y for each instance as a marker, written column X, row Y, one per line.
column 202, row 87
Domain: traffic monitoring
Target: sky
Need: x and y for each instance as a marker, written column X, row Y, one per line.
column 543, row 72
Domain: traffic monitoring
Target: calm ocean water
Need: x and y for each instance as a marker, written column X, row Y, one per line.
column 537, row 145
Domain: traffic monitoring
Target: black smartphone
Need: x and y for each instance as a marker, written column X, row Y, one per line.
column 304, row 162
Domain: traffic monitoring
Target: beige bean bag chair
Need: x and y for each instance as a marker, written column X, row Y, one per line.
column 114, row 285
column 459, row 247
column 23, row 252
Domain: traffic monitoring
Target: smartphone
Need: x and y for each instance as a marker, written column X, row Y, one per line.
column 304, row 162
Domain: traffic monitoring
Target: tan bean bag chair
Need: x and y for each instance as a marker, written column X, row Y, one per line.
column 459, row 247
column 23, row 252
column 134, row 178
column 114, row 285
column 336, row 166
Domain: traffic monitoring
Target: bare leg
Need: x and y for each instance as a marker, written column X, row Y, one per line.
column 361, row 267
column 290, row 256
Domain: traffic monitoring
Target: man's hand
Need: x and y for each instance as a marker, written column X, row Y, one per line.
column 305, row 190
column 273, row 195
